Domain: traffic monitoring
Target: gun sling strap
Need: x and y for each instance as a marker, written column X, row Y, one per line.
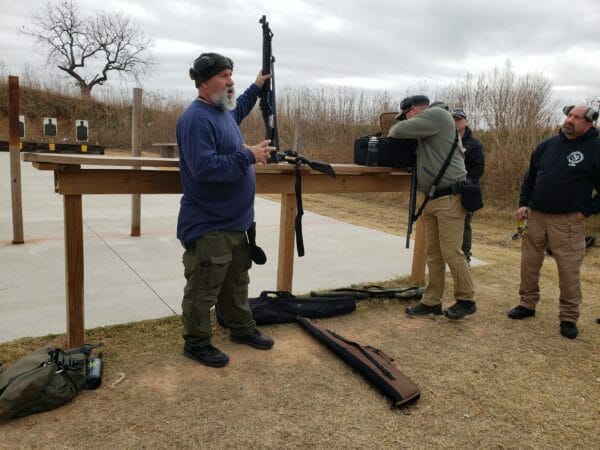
column 371, row 363
column 299, row 209
column 292, row 157
column 433, row 191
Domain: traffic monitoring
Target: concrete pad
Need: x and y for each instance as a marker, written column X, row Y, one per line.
column 138, row 278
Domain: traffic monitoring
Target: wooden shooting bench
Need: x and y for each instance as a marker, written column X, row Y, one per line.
column 76, row 175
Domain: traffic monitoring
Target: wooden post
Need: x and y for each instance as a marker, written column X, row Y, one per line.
column 15, row 162
column 287, row 227
column 287, row 233
column 418, row 263
column 73, row 219
column 136, row 138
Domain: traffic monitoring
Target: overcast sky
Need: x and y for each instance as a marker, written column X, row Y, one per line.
column 381, row 45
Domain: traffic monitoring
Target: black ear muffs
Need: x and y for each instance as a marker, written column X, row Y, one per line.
column 567, row 109
column 591, row 115
column 202, row 64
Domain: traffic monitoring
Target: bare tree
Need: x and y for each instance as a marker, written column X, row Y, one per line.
column 88, row 48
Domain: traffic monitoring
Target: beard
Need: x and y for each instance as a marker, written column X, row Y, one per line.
column 568, row 130
column 222, row 100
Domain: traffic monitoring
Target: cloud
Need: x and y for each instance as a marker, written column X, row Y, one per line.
column 380, row 44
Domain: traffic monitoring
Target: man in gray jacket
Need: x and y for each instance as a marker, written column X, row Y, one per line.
column 443, row 215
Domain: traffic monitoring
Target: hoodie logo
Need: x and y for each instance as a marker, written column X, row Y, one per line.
column 575, row 158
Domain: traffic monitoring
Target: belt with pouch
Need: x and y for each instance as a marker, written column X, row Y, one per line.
column 449, row 190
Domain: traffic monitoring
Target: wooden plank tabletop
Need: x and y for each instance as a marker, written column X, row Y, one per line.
column 131, row 161
column 99, row 160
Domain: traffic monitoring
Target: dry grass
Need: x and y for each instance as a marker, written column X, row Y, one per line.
column 487, row 381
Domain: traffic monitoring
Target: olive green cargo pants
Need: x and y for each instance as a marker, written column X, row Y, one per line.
column 216, row 269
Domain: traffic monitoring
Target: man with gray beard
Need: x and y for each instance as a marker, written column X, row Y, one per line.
column 217, row 209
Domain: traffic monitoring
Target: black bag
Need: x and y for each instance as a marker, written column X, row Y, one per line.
column 283, row 307
column 471, row 195
column 391, row 152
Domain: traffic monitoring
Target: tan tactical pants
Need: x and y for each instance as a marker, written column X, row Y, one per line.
column 444, row 220
column 566, row 237
column 216, row 270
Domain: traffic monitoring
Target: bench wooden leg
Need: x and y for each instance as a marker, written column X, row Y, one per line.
column 285, row 260
column 73, row 220
column 419, row 257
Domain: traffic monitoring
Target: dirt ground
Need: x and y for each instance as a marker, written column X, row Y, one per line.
column 486, row 381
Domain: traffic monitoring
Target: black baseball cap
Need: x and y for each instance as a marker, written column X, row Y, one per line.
column 438, row 104
column 411, row 101
column 459, row 114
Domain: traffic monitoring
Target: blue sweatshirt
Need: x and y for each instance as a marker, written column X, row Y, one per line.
column 215, row 169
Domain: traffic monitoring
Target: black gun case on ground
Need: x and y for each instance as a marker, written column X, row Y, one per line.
column 282, row 307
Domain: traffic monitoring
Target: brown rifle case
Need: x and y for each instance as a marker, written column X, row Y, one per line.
column 371, row 363
column 386, row 120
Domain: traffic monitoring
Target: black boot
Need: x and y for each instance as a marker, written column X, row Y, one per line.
column 207, row 355
column 520, row 312
column 460, row 309
column 255, row 339
column 421, row 309
column 568, row 329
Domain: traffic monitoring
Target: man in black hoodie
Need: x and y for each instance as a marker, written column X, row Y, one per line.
column 556, row 197
column 474, row 163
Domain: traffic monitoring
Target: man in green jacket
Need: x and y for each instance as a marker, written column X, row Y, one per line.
column 443, row 215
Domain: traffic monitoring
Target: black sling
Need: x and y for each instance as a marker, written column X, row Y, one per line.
column 432, row 190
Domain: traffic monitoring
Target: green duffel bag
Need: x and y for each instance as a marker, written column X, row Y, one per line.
column 42, row 380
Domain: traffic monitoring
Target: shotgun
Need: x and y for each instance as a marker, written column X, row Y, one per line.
column 269, row 114
column 267, row 96
column 268, row 107
column 412, row 204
